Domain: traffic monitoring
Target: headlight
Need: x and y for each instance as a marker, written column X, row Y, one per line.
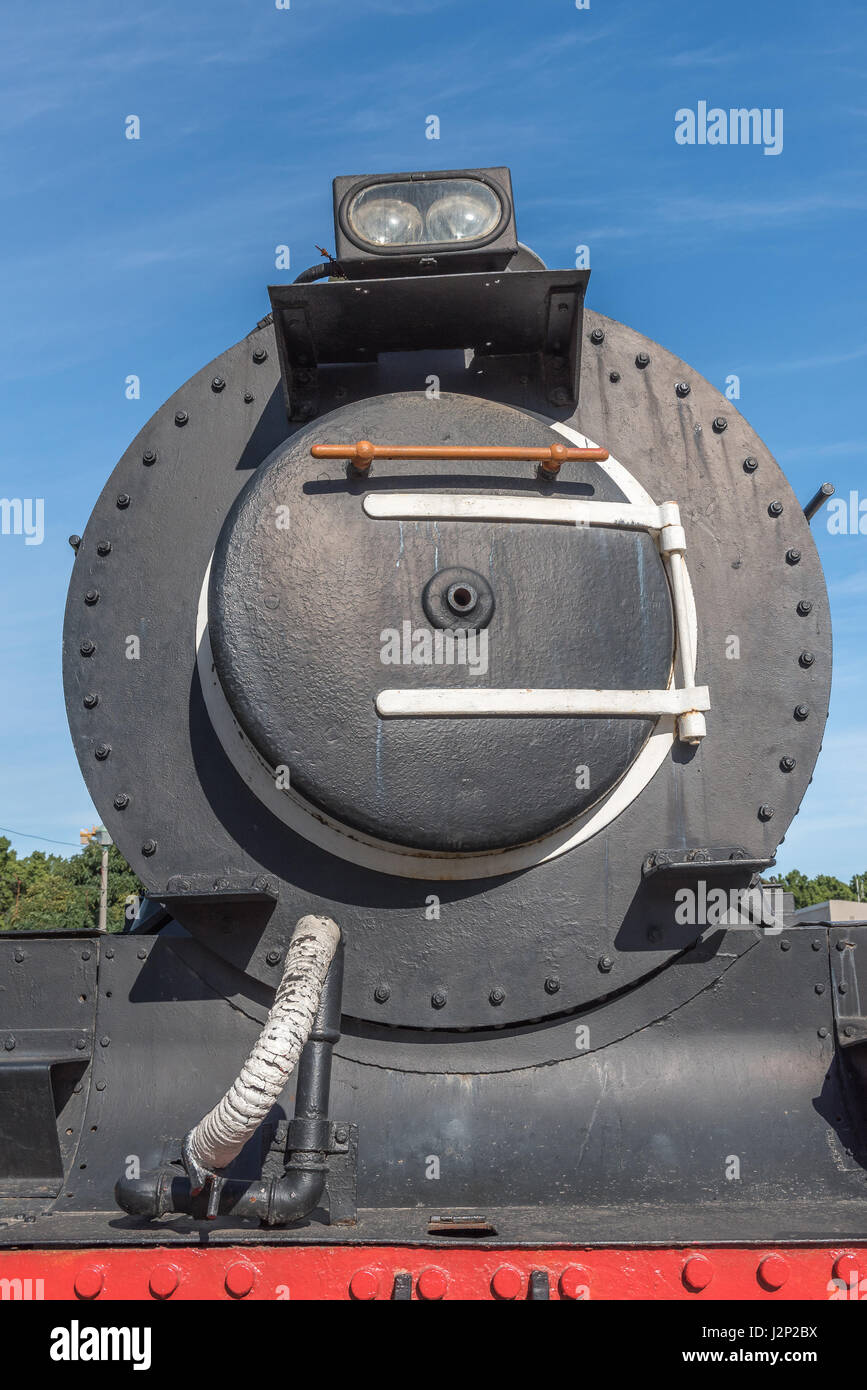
column 429, row 212
column 463, row 216
column 385, row 221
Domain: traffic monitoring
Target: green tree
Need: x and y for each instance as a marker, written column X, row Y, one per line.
column 45, row 892
column 822, row 888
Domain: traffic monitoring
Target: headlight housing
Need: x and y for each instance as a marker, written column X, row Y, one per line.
column 425, row 221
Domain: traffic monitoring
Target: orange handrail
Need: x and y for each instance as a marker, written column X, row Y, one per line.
column 551, row 458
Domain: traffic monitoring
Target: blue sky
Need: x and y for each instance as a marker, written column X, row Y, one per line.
column 151, row 256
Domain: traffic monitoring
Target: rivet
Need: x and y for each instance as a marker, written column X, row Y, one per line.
column 682, row 388
column 121, row 801
column 614, row 376
column 766, row 812
column 273, row 957
column 382, row 994
column 259, row 355
column 785, row 945
column 110, row 953
column 87, row 647
column 816, row 945
column 341, row 1135
column 149, row 457
column 141, row 953
column 697, row 1273
column 105, row 1041
column 819, row 988
column 90, row 700
column 103, row 548
column 787, row 763
column 75, row 541
column 750, row 464
column 19, row 956
column 720, row 424
column 793, row 556
column 432, row 1284
column 552, row 984
column 101, row 751
column 802, row 712
column 846, row 1265
column 773, row 1271
column 849, row 1032
column 805, row 607
column 100, row 1085
column 9, row 1043
column 85, row 955
column 80, row 1044
column 841, row 945
column 597, row 336
column 364, row 1285
column 92, row 596
column 573, row 1282
column 605, row 964
column 438, row 999
column 507, row 1282
column 181, row 417
column 249, row 397
column 775, row 509
column 239, row 1280
column 642, row 359
column 822, row 1032
column 149, row 847
column 123, row 500
column 843, row 988
column 806, row 658
column 163, row 1281
column 217, row 384
column 497, row 995
column 89, row 1282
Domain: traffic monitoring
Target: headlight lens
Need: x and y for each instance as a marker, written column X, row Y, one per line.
column 426, row 212
column 463, row 216
column 386, row 221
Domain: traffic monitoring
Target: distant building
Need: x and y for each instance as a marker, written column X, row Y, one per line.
column 835, row 912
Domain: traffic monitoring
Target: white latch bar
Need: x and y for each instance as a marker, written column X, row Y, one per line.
column 562, row 511
column 479, row 704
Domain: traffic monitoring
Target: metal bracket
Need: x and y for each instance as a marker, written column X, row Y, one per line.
column 529, row 314
column 702, row 860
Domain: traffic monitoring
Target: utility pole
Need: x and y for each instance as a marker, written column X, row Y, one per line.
column 100, row 836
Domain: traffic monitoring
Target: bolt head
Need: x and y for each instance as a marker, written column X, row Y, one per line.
column 149, row 847
column 642, row 359
column 439, row 998
column 497, row 995
column 121, row 801
column 123, row 500
column 273, row 957
column 802, row 712
column 217, row 384
column 787, row 763
column 614, row 376
column 92, row 596
column 597, row 336
column 382, row 994
column 775, row 509
column 90, row 700
column 720, row 424
column 9, row 1043
column 249, row 397
column 605, row 964
column 87, row 647
column 149, row 457
column 805, row 607
column 822, row 1032
column 682, row 388
column 793, row 557
column 75, row 541
column 552, row 984
column 766, row 812
column 806, row 658
column 103, row 548
column 181, row 417
column 260, row 355
column 102, row 751
column 750, row 464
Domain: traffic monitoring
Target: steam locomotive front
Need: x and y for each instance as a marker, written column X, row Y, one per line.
column 485, row 629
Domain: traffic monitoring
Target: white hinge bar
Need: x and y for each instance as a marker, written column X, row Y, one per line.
column 478, row 704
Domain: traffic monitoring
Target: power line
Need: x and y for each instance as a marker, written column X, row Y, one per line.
column 23, row 834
